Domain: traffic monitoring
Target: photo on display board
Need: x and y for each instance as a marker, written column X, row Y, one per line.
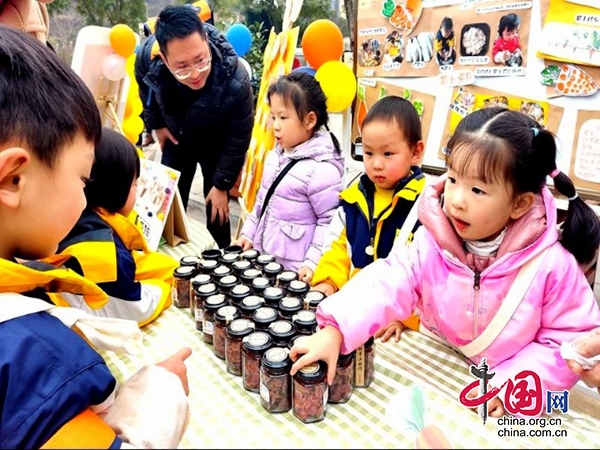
column 421, row 38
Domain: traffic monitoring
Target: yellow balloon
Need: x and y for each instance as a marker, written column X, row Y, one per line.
column 133, row 127
column 122, row 40
column 338, row 83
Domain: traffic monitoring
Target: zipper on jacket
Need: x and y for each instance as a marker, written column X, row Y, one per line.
column 476, row 280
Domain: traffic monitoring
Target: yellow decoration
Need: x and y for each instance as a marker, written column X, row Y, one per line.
column 338, row 83
column 122, row 40
column 132, row 128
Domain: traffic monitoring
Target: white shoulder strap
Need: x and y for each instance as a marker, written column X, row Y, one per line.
column 509, row 305
column 411, row 218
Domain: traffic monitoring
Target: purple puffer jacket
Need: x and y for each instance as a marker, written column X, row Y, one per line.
column 298, row 214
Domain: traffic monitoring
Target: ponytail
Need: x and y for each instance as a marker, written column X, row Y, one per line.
column 336, row 143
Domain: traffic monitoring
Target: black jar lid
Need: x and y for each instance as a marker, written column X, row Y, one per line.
column 313, row 298
column 250, row 254
column 241, row 265
column 221, row 271
column 206, row 290
column 251, row 303
column 277, row 358
column 200, row 279
column 233, row 249
column 228, row 281
column 264, row 315
column 250, row 274
column 213, row 253
column 184, row 272
column 214, row 302
column 239, row 328
column 282, row 330
column 344, row 359
column 191, row 260
column 207, row 265
column 273, row 294
column 259, row 284
column 287, row 276
column 313, row 372
column 239, row 292
column 305, row 318
column 257, row 341
column 290, row 305
column 226, row 314
column 273, row 268
column 264, row 259
column 298, row 287
column 369, row 342
column 229, row 258
column 294, row 339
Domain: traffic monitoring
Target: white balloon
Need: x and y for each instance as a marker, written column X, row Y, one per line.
column 246, row 64
column 113, row 67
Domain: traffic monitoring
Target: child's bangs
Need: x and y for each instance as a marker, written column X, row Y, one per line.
column 492, row 158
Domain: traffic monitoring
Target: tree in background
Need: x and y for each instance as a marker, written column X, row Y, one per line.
column 104, row 13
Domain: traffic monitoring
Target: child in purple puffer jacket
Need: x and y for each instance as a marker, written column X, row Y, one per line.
column 292, row 224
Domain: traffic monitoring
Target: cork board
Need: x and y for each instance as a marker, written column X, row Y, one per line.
column 584, row 168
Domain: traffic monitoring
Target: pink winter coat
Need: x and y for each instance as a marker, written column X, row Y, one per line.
column 296, row 219
column 435, row 276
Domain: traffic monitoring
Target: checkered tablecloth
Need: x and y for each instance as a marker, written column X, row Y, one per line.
column 225, row 415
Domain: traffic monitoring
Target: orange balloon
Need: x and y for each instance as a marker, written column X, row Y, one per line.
column 122, row 40
column 322, row 42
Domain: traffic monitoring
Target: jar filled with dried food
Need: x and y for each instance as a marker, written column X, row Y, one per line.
column 250, row 274
column 253, row 347
column 285, row 278
column 221, row 271
column 250, row 304
column 305, row 320
column 234, row 334
column 309, row 392
column 263, row 317
column 263, row 260
column 191, row 260
column 180, row 292
column 273, row 295
column 298, row 288
column 235, row 249
column 210, row 305
column 238, row 293
column 223, row 317
column 312, row 299
column 340, row 390
column 226, row 283
column 250, row 255
column 239, row 266
column 201, row 293
column 282, row 331
column 288, row 307
column 195, row 283
column 272, row 271
column 364, row 364
column 212, row 254
column 229, row 258
column 275, row 380
column 259, row 284
column 208, row 265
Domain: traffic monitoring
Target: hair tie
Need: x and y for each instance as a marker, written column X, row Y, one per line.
column 554, row 173
column 572, row 198
column 535, row 131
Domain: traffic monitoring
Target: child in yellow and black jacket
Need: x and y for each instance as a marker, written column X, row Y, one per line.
column 373, row 210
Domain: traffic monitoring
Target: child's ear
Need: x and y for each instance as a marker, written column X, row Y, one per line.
column 417, row 152
column 310, row 120
column 522, row 204
column 13, row 162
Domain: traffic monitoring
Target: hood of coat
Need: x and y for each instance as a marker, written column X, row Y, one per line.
column 530, row 233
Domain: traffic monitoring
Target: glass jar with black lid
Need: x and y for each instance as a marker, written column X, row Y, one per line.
column 195, row 283
column 282, row 331
column 250, row 255
column 221, row 271
column 212, row 254
column 288, row 307
column 286, row 277
column 264, row 316
column 210, row 305
column 234, row 334
column 250, row 304
column 259, row 284
column 309, row 392
column 226, row 283
column 241, row 265
column 223, row 316
column 250, row 274
column 275, row 381
column 273, row 295
column 235, row 249
column 305, row 320
column 208, row 265
column 312, row 299
column 263, row 260
column 227, row 259
column 298, row 288
column 180, row 294
column 201, row 293
column 341, row 389
column 253, row 347
column 191, row 260
column 239, row 292
column 272, row 271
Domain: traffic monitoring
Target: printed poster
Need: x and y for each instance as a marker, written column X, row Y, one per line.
column 370, row 90
column 466, row 99
column 157, row 187
column 584, row 169
column 422, row 38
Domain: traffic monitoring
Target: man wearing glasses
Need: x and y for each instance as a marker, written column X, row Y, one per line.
column 198, row 100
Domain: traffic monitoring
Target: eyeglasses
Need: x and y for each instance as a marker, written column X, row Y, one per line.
column 199, row 67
